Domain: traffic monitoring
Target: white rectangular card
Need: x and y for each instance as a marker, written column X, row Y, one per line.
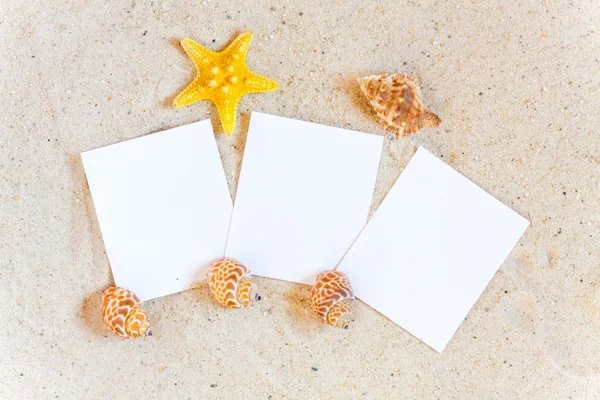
column 304, row 194
column 163, row 206
column 431, row 249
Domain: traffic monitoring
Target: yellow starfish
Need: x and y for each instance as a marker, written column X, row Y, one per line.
column 223, row 78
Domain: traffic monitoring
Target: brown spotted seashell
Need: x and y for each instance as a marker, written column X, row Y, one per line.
column 331, row 298
column 230, row 283
column 122, row 314
column 397, row 101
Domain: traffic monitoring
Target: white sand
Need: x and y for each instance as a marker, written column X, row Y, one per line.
column 517, row 88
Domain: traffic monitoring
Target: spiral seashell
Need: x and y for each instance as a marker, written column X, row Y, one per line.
column 331, row 298
column 230, row 283
column 397, row 101
column 122, row 314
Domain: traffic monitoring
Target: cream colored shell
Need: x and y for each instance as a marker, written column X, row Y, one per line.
column 396, row 99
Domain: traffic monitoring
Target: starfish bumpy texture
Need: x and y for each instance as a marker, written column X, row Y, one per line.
column 223, row 78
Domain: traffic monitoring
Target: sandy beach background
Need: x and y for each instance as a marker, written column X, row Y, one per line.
column 516, row 85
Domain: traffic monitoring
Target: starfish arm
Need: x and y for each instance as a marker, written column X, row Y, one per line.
column 257, row 83
column 239, row 47
column 198, row 53
column 227, row 113
column 192, row 93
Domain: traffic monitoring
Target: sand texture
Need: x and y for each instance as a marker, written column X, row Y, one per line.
column 516, row 84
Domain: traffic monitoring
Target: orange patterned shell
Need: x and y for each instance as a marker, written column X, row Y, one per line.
column 331, row 288
column 230, row 284
column 397, row 101
column 122, row 314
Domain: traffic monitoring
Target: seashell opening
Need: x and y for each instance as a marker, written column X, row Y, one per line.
column 339, row 315
column 247, row 292
column 137, row 324
column 254, row 295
